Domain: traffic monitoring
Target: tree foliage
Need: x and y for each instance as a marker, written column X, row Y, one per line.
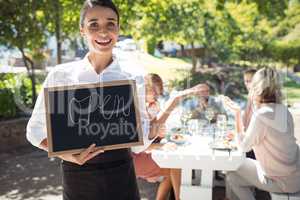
column 21, row 27
column 251, row 30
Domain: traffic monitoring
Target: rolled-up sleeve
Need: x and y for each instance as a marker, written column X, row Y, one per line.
column 144, row 117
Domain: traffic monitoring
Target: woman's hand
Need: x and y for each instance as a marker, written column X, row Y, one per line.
column 200, row 89
column 44, row 145
column 83, row 157
column 235, row 108
column 231, row 105
column 230, row 136
column 79, row 159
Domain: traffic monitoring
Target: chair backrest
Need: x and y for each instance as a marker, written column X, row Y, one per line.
column 279, row 196
column 285, row 196
column 295, row 196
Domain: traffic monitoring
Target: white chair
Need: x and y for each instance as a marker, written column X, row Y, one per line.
column 285, row 196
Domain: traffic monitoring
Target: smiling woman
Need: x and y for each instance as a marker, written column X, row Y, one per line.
column 94, row 174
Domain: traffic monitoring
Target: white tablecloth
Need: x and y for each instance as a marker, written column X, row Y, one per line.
column 197, row 154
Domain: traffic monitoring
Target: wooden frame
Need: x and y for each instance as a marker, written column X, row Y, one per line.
column 91, row 86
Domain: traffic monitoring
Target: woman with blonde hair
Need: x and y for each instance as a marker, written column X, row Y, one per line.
column 271, row 135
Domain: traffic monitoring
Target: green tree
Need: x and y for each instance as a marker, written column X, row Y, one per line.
column 286, row 47
column 175, row 20
column 62, row 21
column 21, row 28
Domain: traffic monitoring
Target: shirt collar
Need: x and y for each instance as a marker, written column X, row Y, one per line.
column 114, row 66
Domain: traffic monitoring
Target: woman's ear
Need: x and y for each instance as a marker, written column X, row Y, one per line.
column 82, row 32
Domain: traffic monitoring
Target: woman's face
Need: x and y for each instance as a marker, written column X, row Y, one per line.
column 150, row 95
column 153, row 92
column 100, row 29
column 248, row 80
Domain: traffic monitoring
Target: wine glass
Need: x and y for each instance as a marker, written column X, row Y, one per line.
column 222, row 125
column 209, row 114
column 201, row 124
column 193, row 126
column 185, row 117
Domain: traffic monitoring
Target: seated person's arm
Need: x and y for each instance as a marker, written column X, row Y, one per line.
column 157, row 123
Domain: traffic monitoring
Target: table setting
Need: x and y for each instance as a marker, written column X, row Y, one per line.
column 199, row 139
column 217, row 127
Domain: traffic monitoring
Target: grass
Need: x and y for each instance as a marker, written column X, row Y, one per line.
column 168, row 68
column 291, row 91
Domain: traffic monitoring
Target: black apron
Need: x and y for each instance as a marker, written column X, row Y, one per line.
column 108, row 176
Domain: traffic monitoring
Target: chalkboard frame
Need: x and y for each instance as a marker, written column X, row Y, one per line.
column 132, row 83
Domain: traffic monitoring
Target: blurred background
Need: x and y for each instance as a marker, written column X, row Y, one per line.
column 184, row 41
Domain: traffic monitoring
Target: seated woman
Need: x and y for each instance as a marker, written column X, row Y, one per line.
column 271, row 135
column 145, row 167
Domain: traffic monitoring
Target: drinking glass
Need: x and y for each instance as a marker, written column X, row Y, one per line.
column 185, row 117
column 222, row 125
column 209, row 114
column 193, row 126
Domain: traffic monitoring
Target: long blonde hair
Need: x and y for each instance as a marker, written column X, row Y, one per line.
column 266, row 84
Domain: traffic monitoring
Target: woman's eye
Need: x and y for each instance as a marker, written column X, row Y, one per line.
column 93, row 26
column 111, row 25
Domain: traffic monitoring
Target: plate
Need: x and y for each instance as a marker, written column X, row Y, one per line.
column 223, row 145
column 178, row 138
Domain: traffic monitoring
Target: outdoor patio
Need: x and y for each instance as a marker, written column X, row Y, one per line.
column 209, row 49
column 29, row 174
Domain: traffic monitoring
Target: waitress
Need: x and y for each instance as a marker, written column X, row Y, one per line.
column 94, row 174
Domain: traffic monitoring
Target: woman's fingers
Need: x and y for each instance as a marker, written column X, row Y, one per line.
column 234, row 107
column 44, row 145
column 87, row 154
column 92, row 155
column 201, row 89
column 226, row 99
column 84, row 156
column 230, row 136
column 84, row 153
column 230, row 105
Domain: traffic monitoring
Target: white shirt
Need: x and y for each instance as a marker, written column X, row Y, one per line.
column 82, row 72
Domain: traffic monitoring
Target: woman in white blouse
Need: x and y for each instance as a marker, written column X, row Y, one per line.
column 94, row 174
column 271, row 135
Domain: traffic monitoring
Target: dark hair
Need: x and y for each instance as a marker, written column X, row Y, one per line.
column 92, row 3
column 250, row 72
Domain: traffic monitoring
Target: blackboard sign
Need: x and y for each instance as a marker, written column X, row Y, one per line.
column 106, row 114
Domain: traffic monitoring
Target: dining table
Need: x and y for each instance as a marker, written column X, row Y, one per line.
column 196, row 153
